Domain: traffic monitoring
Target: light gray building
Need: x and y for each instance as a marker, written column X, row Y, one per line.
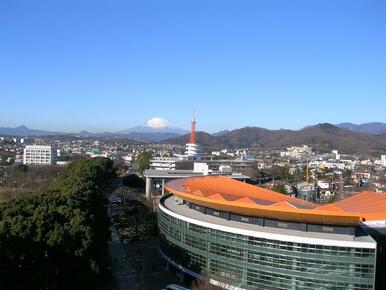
column 39, row 155
column 156, row 179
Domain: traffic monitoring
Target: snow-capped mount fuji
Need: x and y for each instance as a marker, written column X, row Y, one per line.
column 156, row 125
column 153, row 130
column 158, row 122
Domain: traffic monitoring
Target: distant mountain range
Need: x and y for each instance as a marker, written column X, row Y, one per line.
column 323, row 137
column 24, row 131
column 375, row 128
column 220, row 133
column 154, row 130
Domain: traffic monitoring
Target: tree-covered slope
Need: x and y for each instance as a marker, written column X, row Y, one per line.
column 56, row 239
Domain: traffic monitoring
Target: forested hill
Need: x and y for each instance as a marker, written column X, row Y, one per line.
column 323, row 137
column 56, row 239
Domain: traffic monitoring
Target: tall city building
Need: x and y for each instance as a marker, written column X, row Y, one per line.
column 239, row 236
column 39, row 155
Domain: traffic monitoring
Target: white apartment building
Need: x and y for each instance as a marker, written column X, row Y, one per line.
column 163, row 163
column 297, row 151
column 39, row 155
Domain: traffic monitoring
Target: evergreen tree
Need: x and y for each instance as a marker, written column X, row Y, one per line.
column 56, row 239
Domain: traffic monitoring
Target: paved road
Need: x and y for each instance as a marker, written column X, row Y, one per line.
column 123, row 271
column 137, row 265
column 152, row 273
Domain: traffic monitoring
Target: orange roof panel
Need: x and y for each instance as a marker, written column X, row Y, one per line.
column 245, row 200
column 198, row 192
column 217, row 196
column 283, row 204
column 329, row 207
column 222, row 193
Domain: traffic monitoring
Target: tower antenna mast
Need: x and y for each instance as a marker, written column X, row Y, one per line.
column 193, row 136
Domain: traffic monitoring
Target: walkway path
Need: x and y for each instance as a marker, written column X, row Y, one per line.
column 123, row 271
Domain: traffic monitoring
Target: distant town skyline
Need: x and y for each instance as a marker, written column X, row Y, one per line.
column 112, row 65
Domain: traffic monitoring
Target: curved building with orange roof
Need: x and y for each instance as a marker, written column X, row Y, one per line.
column 247, row 237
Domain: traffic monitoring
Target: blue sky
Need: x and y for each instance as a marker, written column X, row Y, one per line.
column 110, row 65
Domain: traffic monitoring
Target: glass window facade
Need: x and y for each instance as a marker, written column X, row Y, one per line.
column 257, row 263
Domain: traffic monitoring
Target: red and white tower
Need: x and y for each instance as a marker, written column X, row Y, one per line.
column 193, row 131
column 192, row 146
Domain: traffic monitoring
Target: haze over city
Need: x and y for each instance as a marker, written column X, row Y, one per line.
column 111, row 65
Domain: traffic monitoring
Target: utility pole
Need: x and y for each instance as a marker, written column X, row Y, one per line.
column 307, row 173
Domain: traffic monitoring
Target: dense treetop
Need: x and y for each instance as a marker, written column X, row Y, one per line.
column 56, row 239
column 143, row 161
